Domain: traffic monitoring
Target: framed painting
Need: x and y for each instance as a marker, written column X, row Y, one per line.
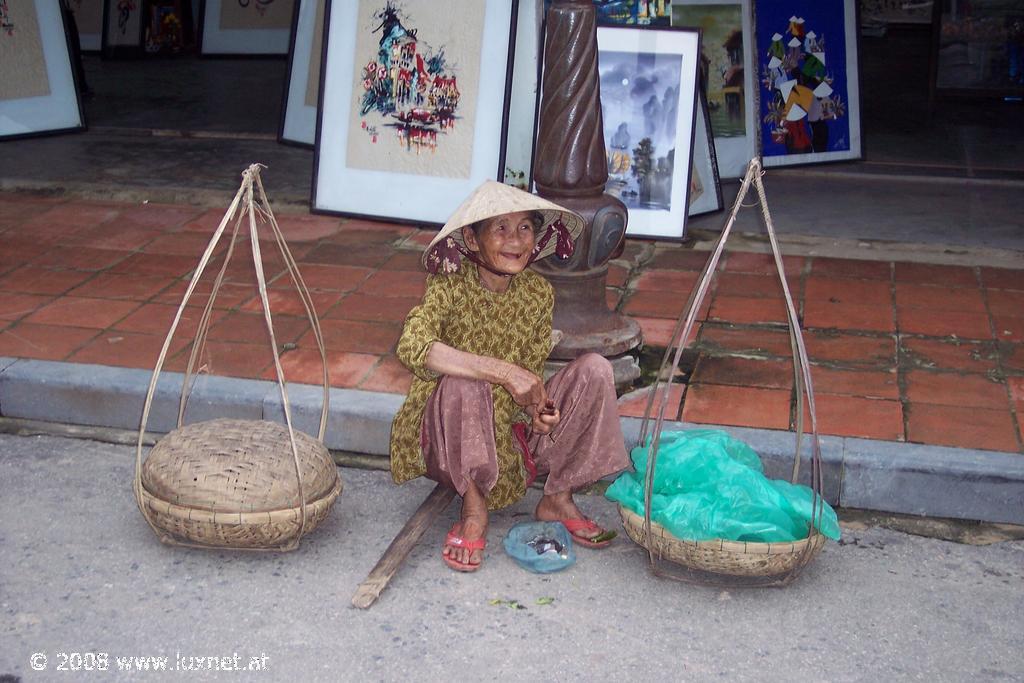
column 414, row 105
column 705, row 186
column 648, row 103
column 809, row 81
column 727, row 81
column 302, row 79
column 122, row 28
column 89, row 19
column 245, row 27
column 978, row 49
column 38, row 91
column 634, row 12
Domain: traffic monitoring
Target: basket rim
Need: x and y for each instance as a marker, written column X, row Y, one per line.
column 744, row 547
column 209, row 429
column 160, row 506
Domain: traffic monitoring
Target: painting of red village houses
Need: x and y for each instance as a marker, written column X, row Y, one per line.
column 411, row 92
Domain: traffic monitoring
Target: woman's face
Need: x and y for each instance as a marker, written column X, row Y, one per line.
column 505, row 242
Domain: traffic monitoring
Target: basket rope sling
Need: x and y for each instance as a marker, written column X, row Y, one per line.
column 722, row 562
column 230, row 483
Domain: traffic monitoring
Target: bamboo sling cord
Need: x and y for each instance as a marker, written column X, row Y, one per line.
column 250, row 177
column 801, row 370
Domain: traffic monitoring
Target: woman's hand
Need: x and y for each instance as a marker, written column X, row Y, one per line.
column 527, row 389
column 545, row 419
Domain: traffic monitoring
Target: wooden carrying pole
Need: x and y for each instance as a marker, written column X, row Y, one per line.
column 390, row 562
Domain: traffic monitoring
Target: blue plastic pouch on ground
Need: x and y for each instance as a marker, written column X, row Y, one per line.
column 540, row 547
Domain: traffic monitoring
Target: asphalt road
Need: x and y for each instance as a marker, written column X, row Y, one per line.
column 81, row 576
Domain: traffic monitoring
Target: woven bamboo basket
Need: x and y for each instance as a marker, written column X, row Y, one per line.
column 719, row 561
column 732, row 558
column 227, row 483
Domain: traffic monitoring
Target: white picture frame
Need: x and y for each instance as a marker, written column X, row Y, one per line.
column 362, row 166
column 302, row 83
column 269, row 39
column 41, row 97
column 733, row 149
column 628, row 60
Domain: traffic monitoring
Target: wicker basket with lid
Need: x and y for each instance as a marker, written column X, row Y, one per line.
column 228, row 483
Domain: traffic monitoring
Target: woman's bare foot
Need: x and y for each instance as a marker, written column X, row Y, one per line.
column 559, row 506
column 472, row 526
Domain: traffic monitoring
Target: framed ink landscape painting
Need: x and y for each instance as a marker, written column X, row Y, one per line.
column 38, row 92
column 809, row 82
column 414, row 105
column 648, row 102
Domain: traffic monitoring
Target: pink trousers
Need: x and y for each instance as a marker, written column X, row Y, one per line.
column 586, row 445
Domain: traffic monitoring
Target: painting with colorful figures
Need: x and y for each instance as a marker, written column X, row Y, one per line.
column 414, row 107
column 807, row 67
column 415, row 88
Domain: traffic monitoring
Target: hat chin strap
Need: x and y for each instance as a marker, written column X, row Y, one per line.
column 475, row 259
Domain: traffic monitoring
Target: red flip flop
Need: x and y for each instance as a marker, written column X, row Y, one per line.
column 575, row 525
column 457, row 541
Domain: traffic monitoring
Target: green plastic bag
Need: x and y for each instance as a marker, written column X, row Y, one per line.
column 709, row 485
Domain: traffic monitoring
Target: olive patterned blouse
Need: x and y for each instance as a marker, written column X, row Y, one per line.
column 457, row 310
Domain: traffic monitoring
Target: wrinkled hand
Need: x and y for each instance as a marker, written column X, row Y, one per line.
column 527, row 389
column 545, row 422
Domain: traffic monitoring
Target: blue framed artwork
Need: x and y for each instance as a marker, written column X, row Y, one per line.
column 809, row 87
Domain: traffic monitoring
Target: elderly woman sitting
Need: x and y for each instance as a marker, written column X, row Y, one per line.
column 478, row 406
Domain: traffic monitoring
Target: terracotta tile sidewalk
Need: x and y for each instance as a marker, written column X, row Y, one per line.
column 901, row 351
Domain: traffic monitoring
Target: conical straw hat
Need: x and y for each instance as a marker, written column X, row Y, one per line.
column 494, row 199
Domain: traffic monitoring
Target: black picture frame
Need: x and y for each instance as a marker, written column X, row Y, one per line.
column 131, row 46
column 704, row 138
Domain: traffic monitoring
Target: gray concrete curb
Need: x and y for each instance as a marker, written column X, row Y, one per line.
column 859, row 473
